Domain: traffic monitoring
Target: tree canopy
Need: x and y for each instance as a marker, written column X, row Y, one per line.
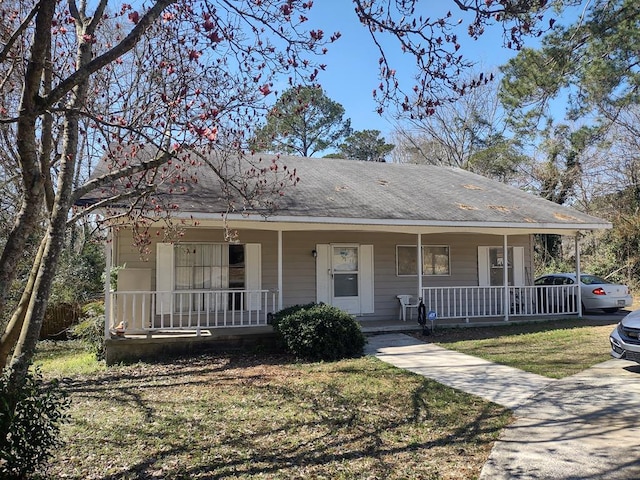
column 593, row 63
column 365, row 145
column 304, row 121
column 575, row 99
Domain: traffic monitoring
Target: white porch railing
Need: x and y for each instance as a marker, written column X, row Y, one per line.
column 477, row 302
column 144, row 312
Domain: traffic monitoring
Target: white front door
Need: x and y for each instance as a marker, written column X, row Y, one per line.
column 345, row 275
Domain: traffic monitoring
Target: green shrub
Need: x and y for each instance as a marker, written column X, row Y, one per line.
column 31, row 430
column 90, row 329
column 285, row 312
column 319, row 332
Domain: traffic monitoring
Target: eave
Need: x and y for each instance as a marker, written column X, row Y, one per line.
column 300, row 223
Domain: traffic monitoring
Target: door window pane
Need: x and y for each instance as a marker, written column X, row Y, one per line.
column 236, row 275
column 345, row 259
column 236, row 266
column 345, row 285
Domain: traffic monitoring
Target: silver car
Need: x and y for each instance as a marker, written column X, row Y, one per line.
column 625, row 338
column 597, row 293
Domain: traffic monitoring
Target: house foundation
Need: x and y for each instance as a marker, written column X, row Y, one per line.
column 160, row 345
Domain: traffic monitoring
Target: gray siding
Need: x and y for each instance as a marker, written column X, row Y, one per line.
column 299, row 277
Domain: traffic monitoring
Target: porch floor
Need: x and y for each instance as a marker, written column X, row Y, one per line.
column 368, row 327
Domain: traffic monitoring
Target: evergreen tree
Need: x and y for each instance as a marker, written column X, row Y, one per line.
column 304, row 121
column 365, row 145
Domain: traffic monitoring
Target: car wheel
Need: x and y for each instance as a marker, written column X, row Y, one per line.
column 610, row 310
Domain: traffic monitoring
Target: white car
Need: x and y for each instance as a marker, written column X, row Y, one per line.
column 597, row 293
column 625, row 338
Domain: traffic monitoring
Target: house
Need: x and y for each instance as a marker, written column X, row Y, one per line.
column 351, row 234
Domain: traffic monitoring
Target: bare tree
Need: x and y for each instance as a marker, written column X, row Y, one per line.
column 467, row 133
column 170, row 77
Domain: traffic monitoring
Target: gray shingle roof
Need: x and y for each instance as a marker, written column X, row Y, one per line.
column 347, row 191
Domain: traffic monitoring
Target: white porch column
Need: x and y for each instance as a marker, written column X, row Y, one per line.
column 419, row 266
column 577, row 247
column 505, row 276
column 279, row 270
column 108, row 248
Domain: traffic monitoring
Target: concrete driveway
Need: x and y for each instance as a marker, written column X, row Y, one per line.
column 585, row 427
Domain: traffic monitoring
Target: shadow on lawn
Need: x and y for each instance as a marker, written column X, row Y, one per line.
column 127, row 381
column 336, row 433
column 335, row 443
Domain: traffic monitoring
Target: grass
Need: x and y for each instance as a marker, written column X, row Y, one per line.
column 66, row 358
column 555, row 349
column 245, row 417
column 269, row 417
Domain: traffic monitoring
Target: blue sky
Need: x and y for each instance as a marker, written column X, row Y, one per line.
column 352, row 62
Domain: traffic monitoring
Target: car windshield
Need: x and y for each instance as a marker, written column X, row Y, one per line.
column 592, row 280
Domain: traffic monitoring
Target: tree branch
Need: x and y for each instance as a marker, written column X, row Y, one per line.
column 127, row 44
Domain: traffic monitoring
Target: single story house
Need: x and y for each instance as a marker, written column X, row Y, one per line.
column 366, row 237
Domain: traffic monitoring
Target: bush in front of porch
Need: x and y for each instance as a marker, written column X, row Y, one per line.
column 319, row 332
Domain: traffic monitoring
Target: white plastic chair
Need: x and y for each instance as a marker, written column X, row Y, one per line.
column 407, row 302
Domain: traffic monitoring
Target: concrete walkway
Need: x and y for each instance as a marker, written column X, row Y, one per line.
column 586, row 426
column 503, row 385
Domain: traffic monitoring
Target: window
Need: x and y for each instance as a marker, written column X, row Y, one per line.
column 201, row 266
column 345, row 271
column 435, row 260
column 194, row 276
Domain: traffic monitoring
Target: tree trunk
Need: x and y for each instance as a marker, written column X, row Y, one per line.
column 54, row 238
column 27, row 133
column 34, row 315
column 54, row 244
column 12, row 331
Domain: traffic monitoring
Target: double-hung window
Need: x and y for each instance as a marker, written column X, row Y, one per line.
column 435, row 260
column 198, row 276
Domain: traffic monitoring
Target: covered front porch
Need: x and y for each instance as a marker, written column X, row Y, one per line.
column 139, row 306
column 153, row 343
column 200, row 312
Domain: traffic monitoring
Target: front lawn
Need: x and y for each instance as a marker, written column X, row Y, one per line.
column 245, row 417
column 555, row 349
column 269, row 417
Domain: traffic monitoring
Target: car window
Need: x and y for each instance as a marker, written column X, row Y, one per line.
column 592, row 280
column 548, row 280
